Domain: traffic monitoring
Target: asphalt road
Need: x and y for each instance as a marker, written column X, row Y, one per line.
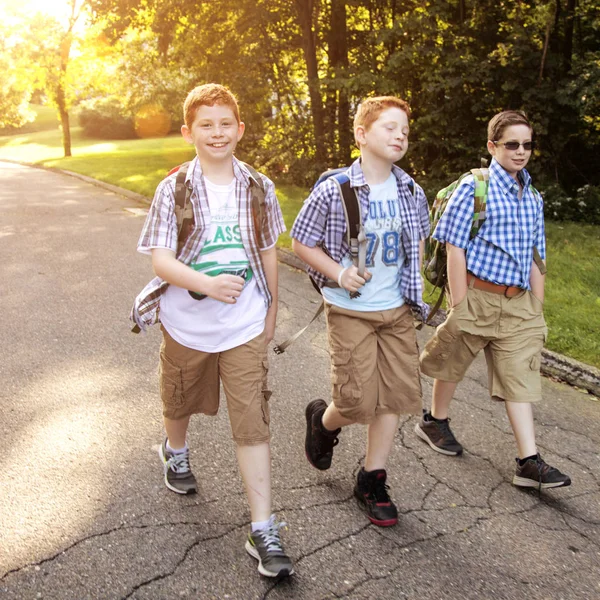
column 84, row 512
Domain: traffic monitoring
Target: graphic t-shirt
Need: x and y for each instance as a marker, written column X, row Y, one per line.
column 383, row 227
column 200, row 322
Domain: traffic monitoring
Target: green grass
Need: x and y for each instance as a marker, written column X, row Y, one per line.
column 46, row 118
column 572, row 286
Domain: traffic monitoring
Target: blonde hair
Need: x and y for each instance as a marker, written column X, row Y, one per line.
column 208, row 94
column 369, row 110
column 506, row 118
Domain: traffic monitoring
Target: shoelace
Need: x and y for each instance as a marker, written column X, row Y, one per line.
column 444, row 427
column 179, row 463
column 271, row 537
column 380, row 492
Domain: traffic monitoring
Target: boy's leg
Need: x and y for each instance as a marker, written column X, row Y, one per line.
column 189, row 383
column 243, row 373
column 255, row 468
column 353, row 351
column 514, row 376
column 380, row 441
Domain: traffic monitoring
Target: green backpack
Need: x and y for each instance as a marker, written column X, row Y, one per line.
column 435, row 258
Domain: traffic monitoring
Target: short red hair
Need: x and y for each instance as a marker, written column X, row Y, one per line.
column 208, row 94
column 369, row 110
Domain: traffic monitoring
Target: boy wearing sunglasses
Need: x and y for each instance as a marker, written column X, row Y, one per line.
column 496, row 299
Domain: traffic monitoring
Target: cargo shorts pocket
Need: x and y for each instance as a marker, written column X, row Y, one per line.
column 171, row 383
column 346, row 385
column 440, row 346
column 265, row 393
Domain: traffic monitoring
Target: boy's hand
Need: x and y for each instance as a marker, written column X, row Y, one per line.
column 351, row 281
column 225, row 288
column 270, row 324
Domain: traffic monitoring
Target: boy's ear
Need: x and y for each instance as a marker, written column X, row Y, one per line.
column 187, row 134
column 491, row 147
column 241, row 129
column 359, row 135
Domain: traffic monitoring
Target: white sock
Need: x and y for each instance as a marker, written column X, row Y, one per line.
column 262, row 525
column 177, row 450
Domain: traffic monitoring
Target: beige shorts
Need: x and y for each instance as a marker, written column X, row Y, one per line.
column 511, row 331
column 189, row 384
column 374, row 362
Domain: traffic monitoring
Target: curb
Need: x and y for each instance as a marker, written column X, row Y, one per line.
column 554, row 365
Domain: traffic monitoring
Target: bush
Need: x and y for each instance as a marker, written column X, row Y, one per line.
column 106, row 118
column 583, row 206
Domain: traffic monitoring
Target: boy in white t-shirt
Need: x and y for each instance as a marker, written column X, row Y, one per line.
column 217, row 297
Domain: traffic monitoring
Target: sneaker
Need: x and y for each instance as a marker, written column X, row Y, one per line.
column 265, row 545
column 371, row 493
column 319, row 442
column 438, row 435
column 178, row 475
column 535, row 473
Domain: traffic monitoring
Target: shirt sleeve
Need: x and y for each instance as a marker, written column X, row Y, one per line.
column 310, row 224
column 160, row 228
column 273, row 224
column 454, row 225
column 423, row 207
column 539, row 236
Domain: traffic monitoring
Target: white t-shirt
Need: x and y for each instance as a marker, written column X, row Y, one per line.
column 385, row 255
column 207, row 324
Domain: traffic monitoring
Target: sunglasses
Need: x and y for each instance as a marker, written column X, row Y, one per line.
column 527, row 146
column 239, row 272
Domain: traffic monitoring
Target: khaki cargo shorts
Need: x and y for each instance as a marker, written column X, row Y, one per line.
column 511, row 331
column 374, row 362
column 189, row 384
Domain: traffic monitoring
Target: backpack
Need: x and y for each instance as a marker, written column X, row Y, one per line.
column 185, row 214
column 435, row 259
column 355, row 238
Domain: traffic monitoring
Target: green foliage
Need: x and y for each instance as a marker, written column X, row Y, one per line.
column 106, row 118
column 583, row 206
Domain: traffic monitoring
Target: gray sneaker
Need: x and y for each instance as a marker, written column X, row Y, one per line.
column 178, row 475
column 536, row 473
column 438, row 435
column 265, row 545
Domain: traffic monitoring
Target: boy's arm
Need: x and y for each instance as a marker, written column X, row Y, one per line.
column 225, row 288
column 537, row 282
column 269, row 261
column 536, row 279
column 347, row 278
column 457, row 273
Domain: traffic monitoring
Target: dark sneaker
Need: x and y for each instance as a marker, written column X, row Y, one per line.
column 438, row 435
column 178, row 475
column 265, row 545
column 535, row 473
column 371, row 493
column 319, row 442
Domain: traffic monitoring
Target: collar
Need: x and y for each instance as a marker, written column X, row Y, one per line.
column 194, row 172
column 357, row 176
column 505, row 179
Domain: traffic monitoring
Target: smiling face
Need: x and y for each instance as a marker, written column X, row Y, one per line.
column 214, row 132
column 512, row 161
column 386, row 138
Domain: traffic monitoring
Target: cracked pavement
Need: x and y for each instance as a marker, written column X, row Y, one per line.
column 83, row 509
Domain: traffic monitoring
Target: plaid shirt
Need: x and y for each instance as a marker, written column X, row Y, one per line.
column 321, row 222
column 502, row 251
column 160, row 231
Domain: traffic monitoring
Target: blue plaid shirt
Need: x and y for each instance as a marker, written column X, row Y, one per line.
column 321, row 222
column 502, row 250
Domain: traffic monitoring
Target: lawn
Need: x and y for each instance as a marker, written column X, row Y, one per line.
column 573, row 283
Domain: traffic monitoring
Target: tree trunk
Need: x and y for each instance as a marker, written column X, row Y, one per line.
column 305, row 14
column 338, row 60
column 568, row 42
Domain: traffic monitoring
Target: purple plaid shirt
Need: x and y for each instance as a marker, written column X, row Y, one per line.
column 160, row 231
column 321, row 222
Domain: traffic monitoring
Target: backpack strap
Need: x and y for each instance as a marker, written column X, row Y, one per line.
column 355, row 234
column 481, row 178
column 183, row 208
column 257, row 189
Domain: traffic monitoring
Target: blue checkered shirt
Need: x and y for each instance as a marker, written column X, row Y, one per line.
column 321, row 222
column 502, row 251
